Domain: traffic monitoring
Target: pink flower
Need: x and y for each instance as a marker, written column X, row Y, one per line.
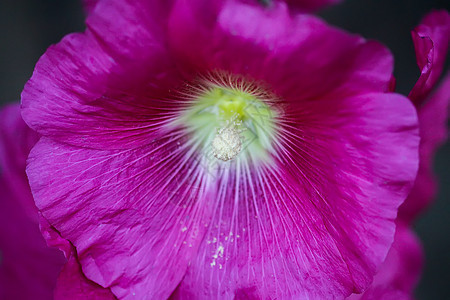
column 220, row 149
column 401, row 271
column 431, row 41
column 28, row 268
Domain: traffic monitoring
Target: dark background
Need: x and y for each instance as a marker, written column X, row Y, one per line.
column 28, row 27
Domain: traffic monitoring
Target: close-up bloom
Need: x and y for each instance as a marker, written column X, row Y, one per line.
column 218, row 149
column 28, row 268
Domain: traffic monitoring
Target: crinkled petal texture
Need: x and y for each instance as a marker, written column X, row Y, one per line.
column 71, row 283
column 136, row 217
column 97, row 75
column 133, row 195
column 401, row 271
column 28, row 268
column 431, row 40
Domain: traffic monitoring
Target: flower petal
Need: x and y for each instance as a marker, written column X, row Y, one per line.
column 431, row 39
column 135, row 217
column 93, row 89
column 400, row 272
column 433, row 117
column 28, row 268
column 319, row 224
column 71, row 283
column 89, row 5
column 16, row 141
column 133, row 197
column 299, row 58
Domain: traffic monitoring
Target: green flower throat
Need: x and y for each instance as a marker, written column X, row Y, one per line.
column 231, row 123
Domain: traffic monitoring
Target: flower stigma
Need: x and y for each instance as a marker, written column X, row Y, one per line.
column 227, row 143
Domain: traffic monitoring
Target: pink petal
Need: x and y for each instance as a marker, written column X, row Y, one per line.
column 135, row 225
column 433, row 117
column 89, row 5
column 28, row 268
column 71, row 283
column 315, row 227
column 107, row 76
column 299, row 58
column 16, row 141
column 431, row 39
column 400, row 272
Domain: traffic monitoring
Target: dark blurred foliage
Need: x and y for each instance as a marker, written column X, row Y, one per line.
column 28, row 27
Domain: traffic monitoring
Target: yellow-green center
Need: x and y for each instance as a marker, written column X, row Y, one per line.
column 229, row 122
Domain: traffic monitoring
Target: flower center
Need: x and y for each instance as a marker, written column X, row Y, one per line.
column 231, row 120
column 227, row 143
